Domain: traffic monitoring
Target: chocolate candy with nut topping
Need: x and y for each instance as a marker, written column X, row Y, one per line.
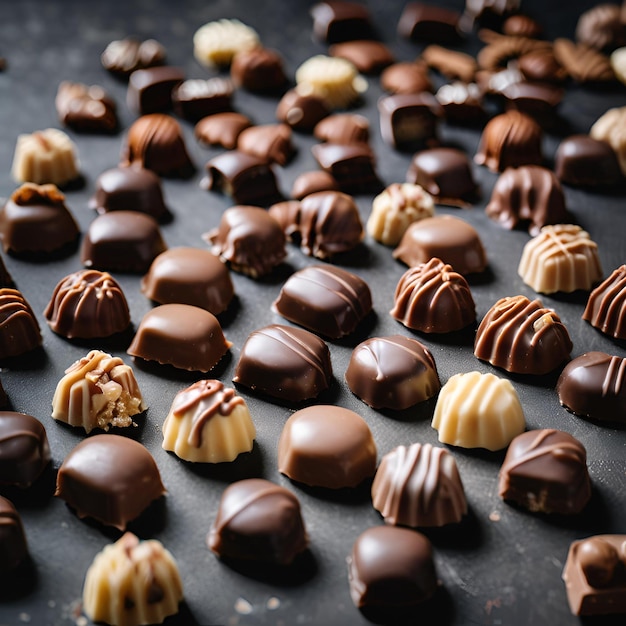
column 583, row 161
column 150, row 89
column 110, row 478
column 301, row 111
column 13, row 547
column 352, row 166
column 288, row 363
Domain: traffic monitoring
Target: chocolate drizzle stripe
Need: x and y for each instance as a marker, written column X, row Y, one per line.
column 353, row 303
column 614, row 378
column 244, row 503
column 297, row 346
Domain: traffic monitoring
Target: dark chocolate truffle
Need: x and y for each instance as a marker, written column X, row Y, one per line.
column 545, row 471
column 13, row 547
column 287, row 363
column 432, row 298
column 301, row 111
column 87, row 304
column 606, row 306
column 327, row 446
column 222, row 129
column 259, row 70
column 19, row 330
column 581, row 160
column 150, row 89
column 110, row 478
column 325, row 299
column 260, row 521
column 352, row 166
column 198, row 98
column 393, row 372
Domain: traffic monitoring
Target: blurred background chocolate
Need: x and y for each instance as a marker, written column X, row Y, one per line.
column 196, row 98
column 352, row 166
column 539, row 101
column 221, row 129
column 259, row 70
column 150, row 90
column 86, row 108
column 583, row 161
column 340, row 20
column 606, row 306
column 406, row 77
column 601, row 27
column 343, row 128
column 13, row 545
column 421, row 21
column 409, row 120
column 270, row 142
column 522, row 26
column 461, row 103
column 301, row 111
column 541, row 66
column 368, row 56
column 19, row 329
column 124, row 56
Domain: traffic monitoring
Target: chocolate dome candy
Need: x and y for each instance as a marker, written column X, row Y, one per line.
column 301, row 112
column 325, row 299
column 249, row 239
column 610, row 128
column 545, row 471
column 529, row 193
column 36, row 220
column 582, row 160
column 522, row 336
column 260, row 70
column 189, row 276
column 343, row 128
column 393, row 372
column 132, row 582
column 606, row 306
column 311, row 182
column 560, row 258
column 208, row 423
column 181, row 335
column 87, row 304
column 19, row 330
column 270, row 142
column 24, row 449
column 419, row 485
column 510, row 140
column 477, row 410
column 448, row 238
column 97, row 391
column 260, row 521
column 593, row 385
column 288, row 363
column 327, row 446
column 391, row 567
column 325, row 223
column 110, row 478
column 432, row 298
column 13, row 547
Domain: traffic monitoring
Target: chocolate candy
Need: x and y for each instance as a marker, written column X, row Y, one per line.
column 291, row 364
column 545, row 471
column 406, row 77
column 527, row 194
column 594, row 575
column 368, row 56
column 259, row 70
column 432, row 298
column 110, row 478
column 510, row 140
column 452, row 64
column 522, row 26
column 129, row 189
column 610, row 128
column 221, row 129
column 537, row 100
column 461, row 103
column 132, row 582
column 325, row 299
column 391, row 567
column 98, row 391
column 260, row 521
column 477, row 410
column 601, row 27
column 19, row 330
column 541, row 66
column 270, row 142
column 13, row 547
column 150, row 90
column 326, row 446
column 448, row 238
column 325, row 223
column 6, row 280
column 197, row 98
column 124, row 56
column 35, row 220
column 593, row 385
column 581, row 160
column 249, row 239
column 85, row 108
column 582, row 63
column 522, row 336
column 125, row 241
column 606, row 306
column 419, row 485
column 248, row 179
column 181, row 335
column 87, row 304
column 352, row 166
column 339, row 20
column 216, row 43
column 300, row 111
column 445, row 173
column 490, row 10
column 156, row 142
column 312, row 182
column 343, row 128
column 393, row 372
column 189, row 276
column 408, row 120
column 208, row 423
column 425, row 22
column 24, row 449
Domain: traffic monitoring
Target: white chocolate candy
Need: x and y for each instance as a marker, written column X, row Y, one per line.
column 611, row 127
column 216, row 43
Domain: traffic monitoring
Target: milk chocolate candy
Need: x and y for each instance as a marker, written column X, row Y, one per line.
column 300, row 111
column 391, row 567
column 184, row 336
column 327, row 446
column 24, row 449
column 601, row 27
column 406, row 77
column 445, row 237
column 522, row 26
column 87, row 304
column 419, row 486
column 259, row 521
column 189, row 276
column 291, row 364
column 610, row 127
column 86, row 108
column 19, row 329
column 393, row 372
column 606, row 306
column 527, row 194
column 432, row 298
column 452, row 64
column 124, row 56
column 428, row 22
column 150, row 90
column 343, row 128
column 13, row 546
column 545, row 471
column 408, row 120
column 339, row 20
column 352, row 166
column 584, row 64
column 583, row 161
column 461, row 103
column 221, row 129
column 523, row 337
column 325, row 223
column 593, row 385
column 270, row 142
column 312, row 182
column 259, row 70
column 110, row 478
column 541, row 66
column 490, row 10
column 248, row 179
column 594, row 575
column 328, row 300
column 196, row 98
column 125, row 241
column 368, row 56
column 249, row 239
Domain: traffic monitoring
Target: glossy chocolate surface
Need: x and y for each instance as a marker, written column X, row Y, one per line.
column 301, row 111
column 581, row 160
column 367, row 55
column 408, row 120
column 270, row 142
column 343, row 128
column 341, row 20
column 19, row 329
column 311, row 182
column 352, row 166
column 259, row 70
column 86, row 108
column 428, row 22
column 221, row 129
column 196, row 98
column 13, row 547
column 150, row 89
column 606, row 306
column 124, row 56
